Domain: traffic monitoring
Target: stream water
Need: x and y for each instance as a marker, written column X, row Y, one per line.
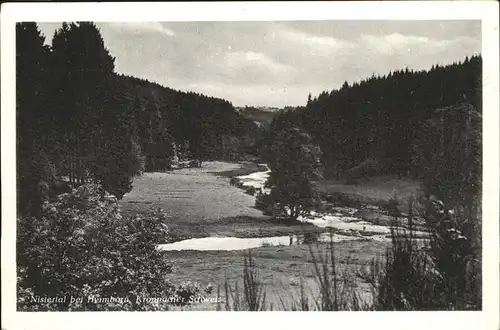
column 234, row 243
column 342, row 219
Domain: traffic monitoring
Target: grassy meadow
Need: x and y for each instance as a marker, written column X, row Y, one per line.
column 201, row 203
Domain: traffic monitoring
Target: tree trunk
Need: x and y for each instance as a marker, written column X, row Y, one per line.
column 70, row 168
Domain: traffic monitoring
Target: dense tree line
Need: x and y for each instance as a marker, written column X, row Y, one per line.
column 427, row 125
column 447, row 159
column 258, row 114
column 78, row 118
column 379, row 118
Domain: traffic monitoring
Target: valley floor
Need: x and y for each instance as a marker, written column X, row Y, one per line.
column 202, row 203
column 376, row 190
column 280, row 269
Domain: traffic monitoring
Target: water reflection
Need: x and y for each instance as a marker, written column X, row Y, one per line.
column 234, row 243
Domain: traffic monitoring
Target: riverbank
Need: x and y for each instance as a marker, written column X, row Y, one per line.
column 280, row 270
column 200, row 202
column 239, row 227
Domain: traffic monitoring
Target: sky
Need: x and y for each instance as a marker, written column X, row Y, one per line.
column 278, row 64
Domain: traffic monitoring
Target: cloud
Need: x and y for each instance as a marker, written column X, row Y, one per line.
column 395, row 42
column 142, row 27
column 398, row 44
column 279, row 63
column 241, row 60
column 315, row 45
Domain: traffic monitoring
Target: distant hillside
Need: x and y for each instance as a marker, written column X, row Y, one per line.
column 259, row 114
column 77, row 117
column 378, row 119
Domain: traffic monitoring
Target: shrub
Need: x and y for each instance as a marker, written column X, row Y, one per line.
column 406, row 280
column 36, row 175
column 265, row 203
column 80, row 246
column 186, row 292
column 455, row 249
column 253, row 297
column 254, row 294
column 445, row 274
column 336, row 290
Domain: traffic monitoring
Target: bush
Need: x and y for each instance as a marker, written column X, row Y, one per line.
column 81, row 247
column 445, row 274
column 253, row 297
column 406, row 281
column 455, row 249
column 186, row 293
column 36, row 176
column 265, row 203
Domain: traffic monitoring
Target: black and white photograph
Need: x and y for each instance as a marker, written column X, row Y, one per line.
column 250, row 165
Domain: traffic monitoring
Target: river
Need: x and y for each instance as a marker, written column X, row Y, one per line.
column 342, row 219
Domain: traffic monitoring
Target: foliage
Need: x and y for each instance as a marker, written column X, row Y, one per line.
column 295, row 167
column 265, row 203
column 35, row 179
column 35, row 167
column 80, row 246
column 76, row 117
column 442, row 274
column 186, row 292
column 116, row 162
column 455, row 249
column 80, row 65
column 445, row 274
column 447, row 154
column 253, row 297
column 262, row 116
column 85, row 120
column 380, row 117
column 336, row 289
column 335, row 294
